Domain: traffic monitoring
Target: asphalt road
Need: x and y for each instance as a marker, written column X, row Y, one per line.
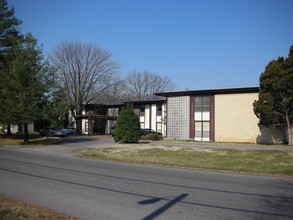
column 91, row 189
column 71, row 145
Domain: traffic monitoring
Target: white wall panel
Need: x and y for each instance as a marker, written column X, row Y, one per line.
column 141, row 119
column 197, row 116
column 164, row 127
column 159, row 118
column 147, row 116
column 154, row 116
column 205, row 116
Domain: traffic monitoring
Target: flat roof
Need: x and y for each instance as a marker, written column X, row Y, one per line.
column 209, row 92
column 149, row 101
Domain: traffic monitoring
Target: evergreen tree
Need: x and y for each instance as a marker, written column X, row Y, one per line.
column 9, row 37
column 27, row 83
column 24, row 74
column 9, row 28
column 127, row 128
column 274, row 108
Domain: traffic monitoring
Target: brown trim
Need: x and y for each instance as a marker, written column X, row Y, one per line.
column 145, row 102
column 210, row 92
column 212, row 119
column 192, row 110
column 105, row 117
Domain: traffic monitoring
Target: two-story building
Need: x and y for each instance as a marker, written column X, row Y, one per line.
column 221, row 115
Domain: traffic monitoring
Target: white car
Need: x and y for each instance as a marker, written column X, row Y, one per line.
column 53, row 132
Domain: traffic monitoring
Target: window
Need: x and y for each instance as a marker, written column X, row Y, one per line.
column 141, row 124
column 202, row 118
column 159, row 110
column 86, row 126
column 159, row 127
column 141, row 112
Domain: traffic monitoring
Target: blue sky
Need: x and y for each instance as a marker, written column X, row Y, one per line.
column 207, row 44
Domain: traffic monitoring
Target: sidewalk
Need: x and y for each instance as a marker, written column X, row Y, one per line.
column 214, row 145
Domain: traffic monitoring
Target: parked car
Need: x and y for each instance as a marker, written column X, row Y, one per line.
column 69, row 130
column 146, row 131
column 53, row 132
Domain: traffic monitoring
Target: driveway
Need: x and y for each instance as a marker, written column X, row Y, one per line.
column 72, row 144
column 212, row 145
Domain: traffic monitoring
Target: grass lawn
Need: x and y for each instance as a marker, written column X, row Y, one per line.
column 264, row 162
column 11, row 208
column 17, row 140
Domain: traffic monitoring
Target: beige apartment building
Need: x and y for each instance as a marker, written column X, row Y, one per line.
column 222, row 115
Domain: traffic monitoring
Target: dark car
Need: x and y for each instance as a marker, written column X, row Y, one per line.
column 146, row 131
column 53, row 132
column 112, row 130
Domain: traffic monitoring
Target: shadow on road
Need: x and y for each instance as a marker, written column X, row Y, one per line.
column 280, row 205
column 162, row 209
column 283, row 202
column 77, row 139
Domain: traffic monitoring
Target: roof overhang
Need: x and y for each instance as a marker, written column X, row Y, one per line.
column 210, row 92
column 103, row 117
column 152, row 101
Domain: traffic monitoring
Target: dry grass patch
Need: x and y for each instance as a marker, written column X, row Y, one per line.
column 269, row 162
column 11, row 208
column 17, row 140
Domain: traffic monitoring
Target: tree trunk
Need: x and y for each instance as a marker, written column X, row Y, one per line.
column 290, row 135
column 8, row 129
column 289, row 128
column 78, row 125
column 25, row 133
column 78, row 120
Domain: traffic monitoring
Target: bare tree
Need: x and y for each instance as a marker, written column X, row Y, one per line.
column 143, row 85
column 115, row 94
column 84, row 71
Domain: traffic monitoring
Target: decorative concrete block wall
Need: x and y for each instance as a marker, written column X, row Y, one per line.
column 178, row 117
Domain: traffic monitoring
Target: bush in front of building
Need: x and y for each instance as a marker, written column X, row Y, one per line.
column 127, row 127
column 153, row 137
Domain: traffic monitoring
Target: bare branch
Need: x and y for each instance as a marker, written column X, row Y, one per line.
column 84, row 71
column 143, row 85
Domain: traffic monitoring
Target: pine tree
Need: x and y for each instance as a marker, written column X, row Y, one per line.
column 28, row 83
column 24, row 74
column 9, row 37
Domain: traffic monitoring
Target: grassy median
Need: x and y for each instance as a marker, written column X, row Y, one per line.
column 264, row 162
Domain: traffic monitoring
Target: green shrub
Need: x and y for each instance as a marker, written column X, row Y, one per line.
column 127, row 127
column 153, row 137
